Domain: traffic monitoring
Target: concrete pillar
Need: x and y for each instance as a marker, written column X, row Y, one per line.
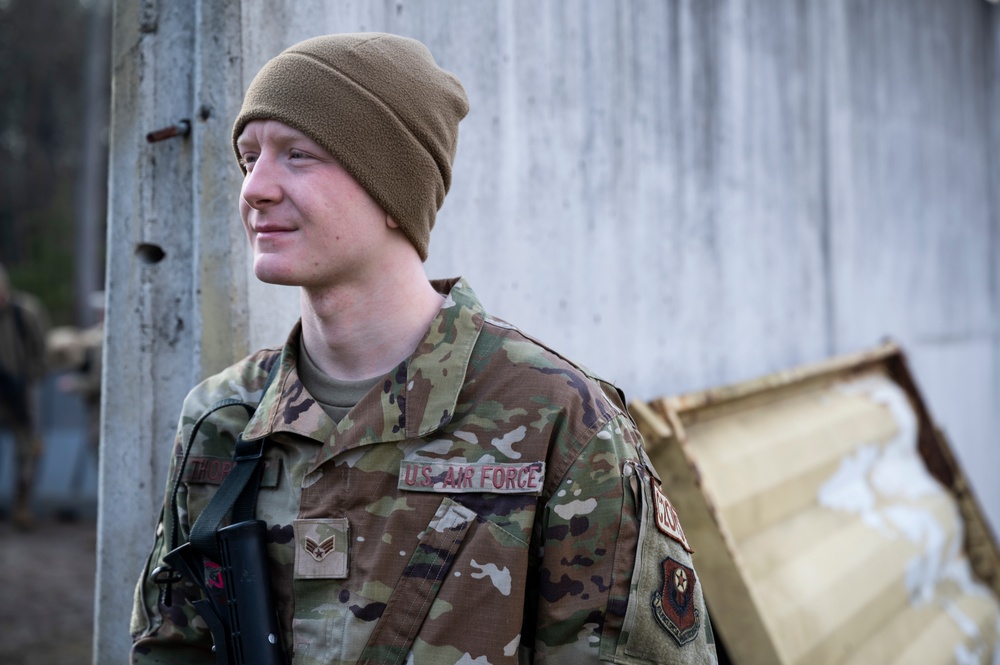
column 175, row 274
column 149, row 325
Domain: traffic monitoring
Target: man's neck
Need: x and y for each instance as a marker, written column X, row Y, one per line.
column 360, row 331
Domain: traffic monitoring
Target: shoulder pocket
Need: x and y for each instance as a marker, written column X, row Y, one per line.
column 665, row 619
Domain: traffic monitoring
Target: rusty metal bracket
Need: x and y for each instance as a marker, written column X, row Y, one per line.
column 182, row 128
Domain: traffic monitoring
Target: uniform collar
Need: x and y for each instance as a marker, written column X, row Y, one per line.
column 412, row 401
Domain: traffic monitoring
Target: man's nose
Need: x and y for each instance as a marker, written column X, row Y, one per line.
column 260, row 186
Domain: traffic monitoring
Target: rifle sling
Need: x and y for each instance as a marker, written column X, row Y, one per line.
column 238, row 492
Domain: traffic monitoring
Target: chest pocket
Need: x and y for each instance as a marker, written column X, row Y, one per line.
column 412, row 597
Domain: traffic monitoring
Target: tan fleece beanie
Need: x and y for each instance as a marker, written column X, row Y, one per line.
column 380, row 105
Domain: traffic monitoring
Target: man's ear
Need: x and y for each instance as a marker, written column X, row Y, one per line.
column 390, row 222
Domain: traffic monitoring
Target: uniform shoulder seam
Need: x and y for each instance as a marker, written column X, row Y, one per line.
column 489, row 319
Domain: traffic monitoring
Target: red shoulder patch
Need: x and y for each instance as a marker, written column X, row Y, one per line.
column 673, row 605
column 666, row 517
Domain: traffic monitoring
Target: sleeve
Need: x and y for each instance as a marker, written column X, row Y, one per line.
column 172, row 634
column 615, row 583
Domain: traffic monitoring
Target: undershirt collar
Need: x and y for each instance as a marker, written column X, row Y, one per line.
column 336, row 397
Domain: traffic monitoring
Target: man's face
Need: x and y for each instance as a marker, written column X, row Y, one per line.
column 308, row 220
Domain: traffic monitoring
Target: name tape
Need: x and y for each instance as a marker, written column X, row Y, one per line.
column 213, row 470
column 452, row 477
column 666, row 517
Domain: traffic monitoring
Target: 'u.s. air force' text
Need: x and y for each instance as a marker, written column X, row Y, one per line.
column 496, row 478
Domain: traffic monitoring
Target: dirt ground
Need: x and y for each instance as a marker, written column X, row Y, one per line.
column 47, row 607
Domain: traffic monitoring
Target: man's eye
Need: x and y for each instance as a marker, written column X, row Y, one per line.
column 296, row 154
column 247, row 161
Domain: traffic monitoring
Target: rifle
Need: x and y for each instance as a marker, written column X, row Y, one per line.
column 242, row 619
column 244, row 626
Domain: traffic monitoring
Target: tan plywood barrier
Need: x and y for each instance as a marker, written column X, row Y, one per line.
column 830, row 521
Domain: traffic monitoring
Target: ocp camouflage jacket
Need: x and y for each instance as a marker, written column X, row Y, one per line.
column 488, row 502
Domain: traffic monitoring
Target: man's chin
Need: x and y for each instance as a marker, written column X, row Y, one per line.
column 270, row 275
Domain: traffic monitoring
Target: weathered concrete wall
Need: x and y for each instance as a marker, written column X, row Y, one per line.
column 150, row 339
column 176, row 289
column 678, row 194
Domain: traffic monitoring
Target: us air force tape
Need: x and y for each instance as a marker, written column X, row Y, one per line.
column 451, row 477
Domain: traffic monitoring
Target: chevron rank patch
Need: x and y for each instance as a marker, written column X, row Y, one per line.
column 322, row 548
column 673, row 605
column 666, row 517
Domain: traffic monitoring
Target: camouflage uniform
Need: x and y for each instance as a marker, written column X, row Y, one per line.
column 488, row 497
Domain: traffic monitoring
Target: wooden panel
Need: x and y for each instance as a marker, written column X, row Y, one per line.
column 726, row 589
column 929, row 635
column 763, row 451
column 821, row 533
column 826, row 582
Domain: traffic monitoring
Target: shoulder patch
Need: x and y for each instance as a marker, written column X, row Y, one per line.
column 673, row 605
column 666, row 517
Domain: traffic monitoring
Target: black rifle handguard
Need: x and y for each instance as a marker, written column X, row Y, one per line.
column 254, row 631
column 242, row 619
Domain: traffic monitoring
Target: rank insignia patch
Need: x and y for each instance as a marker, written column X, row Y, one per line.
column 673, row 605
column 320, row 550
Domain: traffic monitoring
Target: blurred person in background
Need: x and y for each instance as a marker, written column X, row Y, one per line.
column 76, row 353
column 23, row 325
column 80, row 352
